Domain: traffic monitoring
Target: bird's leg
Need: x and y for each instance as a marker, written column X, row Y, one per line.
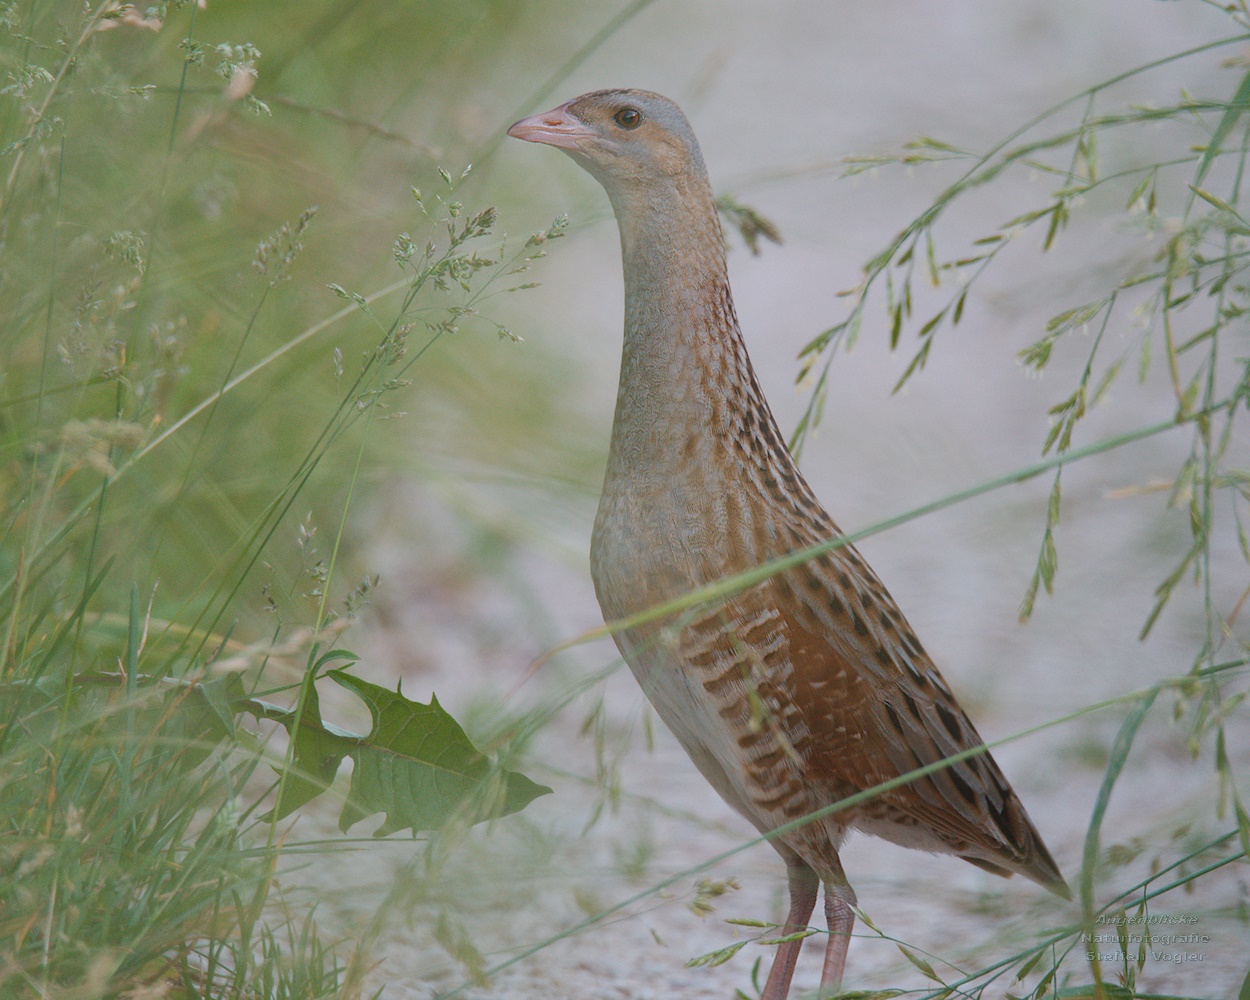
column 803, row 886
column 840, row 914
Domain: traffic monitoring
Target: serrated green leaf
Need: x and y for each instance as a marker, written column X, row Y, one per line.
column 419, row 768
column 416, row 766
column 315, row 760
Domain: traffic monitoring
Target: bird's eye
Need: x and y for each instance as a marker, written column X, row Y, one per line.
column 628, row 118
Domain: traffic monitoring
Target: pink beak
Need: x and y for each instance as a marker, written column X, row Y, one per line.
column 557, row 127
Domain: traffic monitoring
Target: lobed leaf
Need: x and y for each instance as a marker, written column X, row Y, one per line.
column 419, row 768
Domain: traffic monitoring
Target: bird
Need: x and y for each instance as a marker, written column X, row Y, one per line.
column 796, row 692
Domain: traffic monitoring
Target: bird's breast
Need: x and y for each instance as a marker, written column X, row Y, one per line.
column 650, row 544
column 664, row 530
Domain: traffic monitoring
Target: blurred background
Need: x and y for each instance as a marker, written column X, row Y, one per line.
column 133, row 208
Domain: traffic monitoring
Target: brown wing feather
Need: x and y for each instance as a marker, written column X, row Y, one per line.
column 876, row 707
column 811, row 687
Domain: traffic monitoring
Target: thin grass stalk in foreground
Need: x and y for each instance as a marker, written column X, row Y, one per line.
column 351, row 983
column 37, row 118
column 182, row 910
column 1074, row 930
column 985, row 168
column 290, row 234
column 1089, row 859
column 567, row 68
column 46, row 549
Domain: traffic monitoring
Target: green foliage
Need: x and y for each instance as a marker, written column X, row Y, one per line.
column 179, row 384
column 416, row 765
column 1197, row 281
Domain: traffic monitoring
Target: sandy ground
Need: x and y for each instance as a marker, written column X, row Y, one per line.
column 771, row 90
column 514, row 887
column 544, row 872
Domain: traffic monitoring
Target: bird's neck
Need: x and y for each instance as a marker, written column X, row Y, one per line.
column 684, row 368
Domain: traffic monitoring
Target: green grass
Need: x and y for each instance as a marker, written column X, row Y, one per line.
column 187, row 414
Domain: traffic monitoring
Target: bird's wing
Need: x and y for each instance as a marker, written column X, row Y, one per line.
column 875, row 707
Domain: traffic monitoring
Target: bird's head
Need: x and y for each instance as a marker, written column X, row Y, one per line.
column 624, row 138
